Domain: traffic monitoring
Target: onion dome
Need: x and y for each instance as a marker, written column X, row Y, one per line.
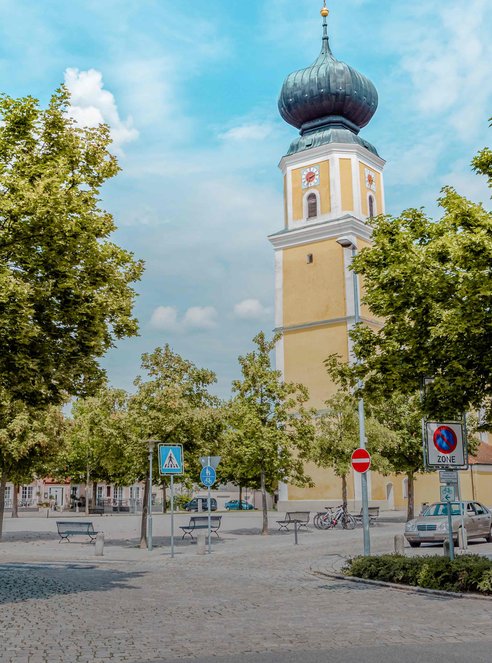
column 328, row 100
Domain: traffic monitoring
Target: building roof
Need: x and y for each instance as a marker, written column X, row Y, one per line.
column 483, row 456
column 327, row 98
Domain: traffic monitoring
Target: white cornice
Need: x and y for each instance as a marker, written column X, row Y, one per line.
column 320, row 231
column 315, row 153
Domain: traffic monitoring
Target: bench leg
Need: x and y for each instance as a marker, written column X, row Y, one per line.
column 283, row 527
column 187, row 534
column 64, row 538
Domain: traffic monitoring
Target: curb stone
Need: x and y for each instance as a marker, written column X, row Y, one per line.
column 403, row 588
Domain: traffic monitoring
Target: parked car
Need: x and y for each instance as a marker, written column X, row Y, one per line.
column 193, row 505
column 233, row 505
column 432, row 524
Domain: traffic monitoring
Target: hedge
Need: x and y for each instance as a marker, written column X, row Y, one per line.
column 467, row 573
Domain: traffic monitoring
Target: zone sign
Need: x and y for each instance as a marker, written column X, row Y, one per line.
column 445, row 445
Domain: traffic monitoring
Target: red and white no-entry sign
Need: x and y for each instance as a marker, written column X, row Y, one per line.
column 361, row 460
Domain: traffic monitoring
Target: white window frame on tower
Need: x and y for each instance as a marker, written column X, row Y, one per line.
column 305, row 205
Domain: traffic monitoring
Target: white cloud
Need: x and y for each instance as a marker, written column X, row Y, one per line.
column 251, row 309
column 200, row 317
column 165, row 318
column 248, row 132
column 91, row 105
column 447, row 54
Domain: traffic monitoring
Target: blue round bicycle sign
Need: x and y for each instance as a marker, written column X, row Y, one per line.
column 445, row 439
column 208, row 476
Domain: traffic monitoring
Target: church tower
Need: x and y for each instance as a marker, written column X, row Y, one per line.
column 333, row 181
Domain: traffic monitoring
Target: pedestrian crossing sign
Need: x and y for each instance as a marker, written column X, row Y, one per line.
column 170, row 459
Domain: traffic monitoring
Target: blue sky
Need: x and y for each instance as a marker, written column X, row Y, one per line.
column 190, row 90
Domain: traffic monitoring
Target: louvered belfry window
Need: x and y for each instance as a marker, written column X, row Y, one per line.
column 312, row 206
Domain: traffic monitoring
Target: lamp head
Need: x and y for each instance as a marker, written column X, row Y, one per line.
column 347, row 243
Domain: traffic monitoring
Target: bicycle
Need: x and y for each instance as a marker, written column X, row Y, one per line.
column 330, row 520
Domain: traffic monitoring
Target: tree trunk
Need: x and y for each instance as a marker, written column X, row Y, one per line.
column 87, row 479
column 3, row 483
column 344, row 492
column 264, row 504
column 15, row 502
column 240, row 498
column 164, row 497
column 145, row 509
column 411, row 496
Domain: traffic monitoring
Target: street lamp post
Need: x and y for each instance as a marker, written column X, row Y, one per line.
column 347, row 243
column 151, row 444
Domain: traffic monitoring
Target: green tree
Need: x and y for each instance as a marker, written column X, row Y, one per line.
column 337, row 437
column 174, row 406
column 65, row 288
column 431, row 282
column 29, row 439
column 271, row 428
column 98, row 441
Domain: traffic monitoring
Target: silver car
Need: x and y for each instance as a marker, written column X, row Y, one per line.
column 432, row 524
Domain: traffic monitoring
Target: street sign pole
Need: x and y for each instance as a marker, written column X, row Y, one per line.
column 172, row 515
column 149, row 502
column 209, row 516
column 171, row 463
column 450, row 533
column 464, row 538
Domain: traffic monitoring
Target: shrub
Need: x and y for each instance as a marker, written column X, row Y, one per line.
column 467, row 573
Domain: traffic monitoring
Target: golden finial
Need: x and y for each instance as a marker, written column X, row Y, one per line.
column 325, row 11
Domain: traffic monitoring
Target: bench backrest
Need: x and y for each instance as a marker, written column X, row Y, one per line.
column 204, row 519
column 372, row 511
column 74, row 526
column 303, row 516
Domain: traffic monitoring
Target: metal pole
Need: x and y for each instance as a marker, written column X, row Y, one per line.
column 172, row 515
column 149, row 507
column 464, row 538
column 450, row 532
column 209, row 517
column 362, row 429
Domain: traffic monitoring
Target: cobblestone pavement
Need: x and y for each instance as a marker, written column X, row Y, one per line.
column 254, row 595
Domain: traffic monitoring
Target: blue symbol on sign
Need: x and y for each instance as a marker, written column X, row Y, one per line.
column 208, row 476
column 170, row 459
column 445, row 439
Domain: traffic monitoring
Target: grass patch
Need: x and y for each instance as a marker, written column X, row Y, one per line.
column 467, row 573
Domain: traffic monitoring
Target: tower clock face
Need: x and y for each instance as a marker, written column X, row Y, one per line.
column 310, row 177
column 370, row 180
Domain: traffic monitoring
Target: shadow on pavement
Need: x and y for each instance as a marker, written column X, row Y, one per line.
column 23, row 582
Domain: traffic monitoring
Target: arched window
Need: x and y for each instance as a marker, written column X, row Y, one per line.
column 312, row 206
column 371, row 207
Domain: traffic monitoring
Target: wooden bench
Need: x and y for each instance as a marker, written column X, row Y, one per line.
column 201, row 522
column 291, row 517
column 373, row 512
column 68, row 528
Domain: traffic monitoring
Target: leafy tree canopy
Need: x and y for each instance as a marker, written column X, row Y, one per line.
column 65, row 288
column 271, row 429
column 431, row 283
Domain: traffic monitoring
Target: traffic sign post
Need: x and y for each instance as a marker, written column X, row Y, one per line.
column 450, row 531
column 171, row 463
column 208, row 477
column 445, row 445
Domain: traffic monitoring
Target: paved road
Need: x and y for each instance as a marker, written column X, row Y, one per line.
column 254, row 599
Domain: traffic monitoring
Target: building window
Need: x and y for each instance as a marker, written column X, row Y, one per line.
column 309, row 258
column 371, row 207
column 26, row 492
column 312, row 206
